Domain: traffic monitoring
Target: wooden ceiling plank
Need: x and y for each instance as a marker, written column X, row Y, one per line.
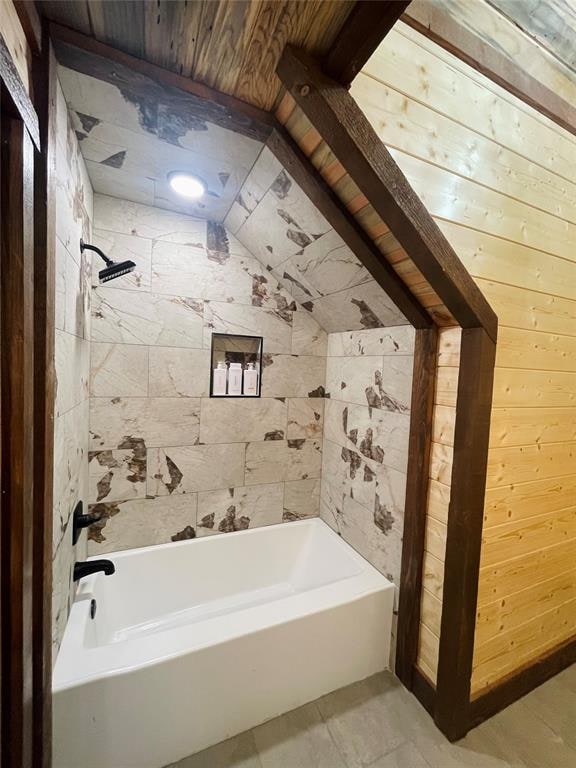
column 74, row 15
column 334, row 113
column 437, row 24
column 364, row 30
column 31, row 24
column 299, row 167
column 119, row 23
column 170, row 34
column 150, row 82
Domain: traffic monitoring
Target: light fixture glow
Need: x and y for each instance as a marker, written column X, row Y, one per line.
column 186, row 185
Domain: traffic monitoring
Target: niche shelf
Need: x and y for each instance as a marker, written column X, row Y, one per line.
column 232, row 348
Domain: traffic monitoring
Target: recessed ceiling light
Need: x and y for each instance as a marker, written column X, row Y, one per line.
column 186, row 185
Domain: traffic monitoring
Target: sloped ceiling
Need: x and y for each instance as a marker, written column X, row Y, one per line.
column 131, row 146
column 278, row 223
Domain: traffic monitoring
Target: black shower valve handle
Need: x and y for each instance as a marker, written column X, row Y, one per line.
column 80, row 520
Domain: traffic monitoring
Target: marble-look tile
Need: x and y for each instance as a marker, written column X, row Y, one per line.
column 121, row 184
column 158, row 421
column 182, row 270
column 119, row 248
column 179, row 372
column 70, row 466
column 364, row 306
column 117, row 475
column 376, row 535
column 305, row 417
column 72, row 292
column 239, row 752
column 376, row 434
column 128, row 218
column 375, row 381
column 142, row 522
column 235, row 217
column 277, row 460
column 397, row 340
column 72, row 363
column 239, row 420
column 234, row 509
column 195, row 468
column 274, row 326
column 146, row 318
column 295, row 282
column 359, row 720
column 293, row 375
column 118, row 370
column 301, row 499
column 308, row 338
column 299, row 739
column 328, row 265
column 263, row 174
column 268, row 292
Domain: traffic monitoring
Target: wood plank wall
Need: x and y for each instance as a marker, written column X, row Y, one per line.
column 499, row 180
column 443, row 420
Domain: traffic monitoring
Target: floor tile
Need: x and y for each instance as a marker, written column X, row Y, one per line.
column 299, row 739
column 361, row 720
column 405, row 756
column 239, row 752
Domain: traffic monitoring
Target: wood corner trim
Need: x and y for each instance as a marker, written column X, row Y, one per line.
column 464, row 532
column 85, row 54
column 363, row 31
column 419, row 445
column 343, row 126
column 434, row 21
column 317, row 190
column 31, row 24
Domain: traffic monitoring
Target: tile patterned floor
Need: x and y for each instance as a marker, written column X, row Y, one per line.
column 377, row 724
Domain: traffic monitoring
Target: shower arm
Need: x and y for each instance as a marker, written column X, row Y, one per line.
column 87, row 247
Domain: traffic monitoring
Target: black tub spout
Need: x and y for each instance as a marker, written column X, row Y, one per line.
column 93, row 566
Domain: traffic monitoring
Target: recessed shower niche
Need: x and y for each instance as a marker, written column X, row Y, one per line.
column 236, row 365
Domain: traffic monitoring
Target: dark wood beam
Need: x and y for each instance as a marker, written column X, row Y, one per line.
column 325, row 200
column 150, row 83
column 30, row 21
column 45, row 84
column 413, row 539
column 464, row 532
column 17, row 93
column 338, row 119
column 363, row 31
column 434, row 21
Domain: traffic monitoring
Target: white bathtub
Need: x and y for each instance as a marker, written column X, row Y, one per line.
column 196, row 641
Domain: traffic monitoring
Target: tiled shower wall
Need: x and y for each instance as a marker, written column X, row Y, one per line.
column 366, row 428
column 166, row 461
column 72, row 360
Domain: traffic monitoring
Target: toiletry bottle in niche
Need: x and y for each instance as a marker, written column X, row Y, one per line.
column 235, row 379
column 219, row 379
column 251, row 380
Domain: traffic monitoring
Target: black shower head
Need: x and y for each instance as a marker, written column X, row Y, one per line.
column 112, row 269
column 115, row 270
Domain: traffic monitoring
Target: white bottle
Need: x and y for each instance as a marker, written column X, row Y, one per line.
column 251, row 380
column 219, row 379
column 235, row 379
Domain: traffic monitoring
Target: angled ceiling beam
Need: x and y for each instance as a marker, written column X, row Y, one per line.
column 434, row 21
column 313, row 185
column 151, row 83
column 363, row 31
column 338, row 119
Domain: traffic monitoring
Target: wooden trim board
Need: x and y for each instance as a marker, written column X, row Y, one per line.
column 44, row 80
column 363, row 31
column 464, row 534
column 16, row 90
column 419, row 445
column 432, row 20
